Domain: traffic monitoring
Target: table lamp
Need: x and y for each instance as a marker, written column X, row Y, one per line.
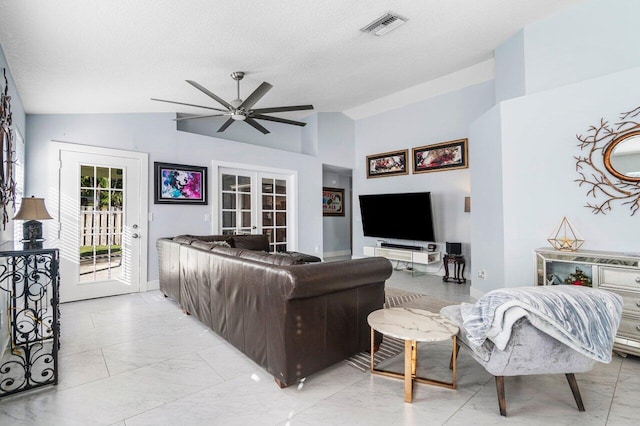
column 32, row 210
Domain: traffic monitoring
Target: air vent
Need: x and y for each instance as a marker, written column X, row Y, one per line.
column 384, row 24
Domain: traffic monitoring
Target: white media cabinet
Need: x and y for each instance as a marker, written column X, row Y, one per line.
column 411, row 257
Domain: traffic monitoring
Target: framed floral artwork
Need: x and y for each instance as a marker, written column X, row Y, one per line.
column 387, row 164
column 450, row 155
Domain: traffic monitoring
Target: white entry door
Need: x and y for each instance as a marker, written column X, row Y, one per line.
column 101, row 225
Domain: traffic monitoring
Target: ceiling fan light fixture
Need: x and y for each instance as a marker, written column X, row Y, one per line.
column 239, row 110
column 384, row 24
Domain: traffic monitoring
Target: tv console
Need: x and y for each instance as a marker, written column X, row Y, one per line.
column 411, row 257
column 401, row 246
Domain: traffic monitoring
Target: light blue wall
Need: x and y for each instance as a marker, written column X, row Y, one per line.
column 281, row 136
column 443, row 118
column 18, row 119
column 541, row 130
column 509, row 68
column 156, row 135
column 586, row 41
column 487, row 198
column 309, row 136
column 336, row 236
column 336, row 139
column 578, row 70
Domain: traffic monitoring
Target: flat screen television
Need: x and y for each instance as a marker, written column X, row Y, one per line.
column 404, row 216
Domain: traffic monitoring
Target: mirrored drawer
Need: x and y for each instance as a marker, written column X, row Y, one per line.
column 631, row 302
column 620, row 278
column 629, row 327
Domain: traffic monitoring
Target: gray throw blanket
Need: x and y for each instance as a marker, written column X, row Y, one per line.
column 583, row 318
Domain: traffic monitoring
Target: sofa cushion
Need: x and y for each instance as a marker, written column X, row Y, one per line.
column 271, row 258
column 250, row 242
column 184, row 239
column 208, row 245
column 188, row 239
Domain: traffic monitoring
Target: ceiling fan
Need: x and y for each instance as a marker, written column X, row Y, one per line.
column 241, row 110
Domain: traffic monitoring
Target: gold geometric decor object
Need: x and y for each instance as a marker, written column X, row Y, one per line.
column 609, row 177
column 565, row 238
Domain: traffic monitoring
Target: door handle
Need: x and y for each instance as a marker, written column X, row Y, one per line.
column 135, row 236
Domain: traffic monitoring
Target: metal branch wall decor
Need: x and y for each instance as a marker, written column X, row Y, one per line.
column 7, row 154
column 610, row 163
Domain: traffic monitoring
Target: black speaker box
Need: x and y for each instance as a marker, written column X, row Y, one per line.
column 454, row 248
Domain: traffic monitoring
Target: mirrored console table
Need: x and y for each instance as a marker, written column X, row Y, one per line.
column 29, row 336
column 616, row 272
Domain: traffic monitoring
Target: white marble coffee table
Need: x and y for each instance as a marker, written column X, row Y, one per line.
column 412, row 326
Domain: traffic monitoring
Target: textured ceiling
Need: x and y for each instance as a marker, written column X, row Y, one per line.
column 79, row 56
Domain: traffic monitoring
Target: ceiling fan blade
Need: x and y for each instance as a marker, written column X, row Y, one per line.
column 256, row 125
column 283, row 109
column 226, row 124
column 210, row 94
column 191, row 117
column 256, row 95
column 278, row 120
column 182, row 103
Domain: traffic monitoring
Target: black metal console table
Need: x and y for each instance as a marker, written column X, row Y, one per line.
column 29, row 352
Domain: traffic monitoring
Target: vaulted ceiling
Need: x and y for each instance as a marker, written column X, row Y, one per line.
column 72, row 56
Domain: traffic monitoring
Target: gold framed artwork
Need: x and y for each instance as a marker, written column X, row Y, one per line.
column 450, row 155
column 387, row 164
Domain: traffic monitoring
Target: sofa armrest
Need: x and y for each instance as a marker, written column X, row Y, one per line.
column 316, row 279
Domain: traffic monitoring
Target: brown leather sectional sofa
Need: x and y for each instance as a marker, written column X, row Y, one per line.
column 291, row 318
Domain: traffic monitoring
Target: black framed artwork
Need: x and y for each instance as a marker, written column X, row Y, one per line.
column 179, row 184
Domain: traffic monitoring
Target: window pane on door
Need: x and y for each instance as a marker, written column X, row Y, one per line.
column 274, row 212
column 101, row 219
column 236, row 204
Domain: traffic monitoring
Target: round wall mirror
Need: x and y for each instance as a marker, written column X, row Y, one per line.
column 622, row 157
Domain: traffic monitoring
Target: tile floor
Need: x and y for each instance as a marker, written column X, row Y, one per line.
column 137, row 360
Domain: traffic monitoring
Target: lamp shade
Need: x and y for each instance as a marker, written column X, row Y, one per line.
column 32, row 209
column 467, row 204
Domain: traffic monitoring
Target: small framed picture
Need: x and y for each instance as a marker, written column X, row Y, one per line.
column 333, row 201
column 450, row 155
column 387, row 164
column 179, row 184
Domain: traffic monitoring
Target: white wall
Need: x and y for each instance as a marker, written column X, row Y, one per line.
column 443, row 118
column 156, row 134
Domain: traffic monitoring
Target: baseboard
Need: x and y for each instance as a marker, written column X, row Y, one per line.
column 340, row 253
column 475, row 293
column 153, row 285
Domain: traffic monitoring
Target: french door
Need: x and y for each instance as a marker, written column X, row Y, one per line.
column 101, row 225
column 256, row 203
